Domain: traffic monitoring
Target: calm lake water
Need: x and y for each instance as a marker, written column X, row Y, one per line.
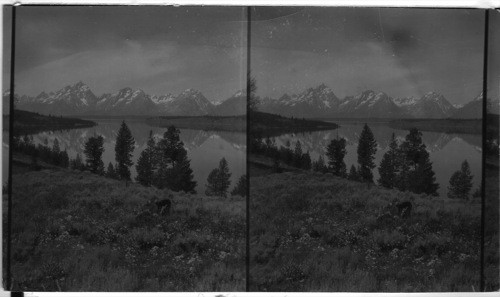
column 447, row 151
column 205, row 148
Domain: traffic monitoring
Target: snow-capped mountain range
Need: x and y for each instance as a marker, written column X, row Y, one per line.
column 321, row 101
column 78, row 99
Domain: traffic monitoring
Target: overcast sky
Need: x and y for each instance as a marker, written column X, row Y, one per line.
column 493, row 56
column 158, row 49
column 403, row 52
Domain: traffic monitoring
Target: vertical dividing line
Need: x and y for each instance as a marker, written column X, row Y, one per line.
column 484, row 132
column 8, row 283
column 247, row 258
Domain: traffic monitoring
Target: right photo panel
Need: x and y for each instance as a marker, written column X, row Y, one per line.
column 365, row 149
column 491, row 152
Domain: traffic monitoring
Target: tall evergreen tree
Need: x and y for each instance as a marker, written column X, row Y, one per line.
column 241, row 187
column 306, row 161
column 418, row 175
column 94, row 147
column 367, row 147
column 147, row 163
column 388, row 168
column 336, row 152
column 218, row 180
column 174, row 170
column 55, row 147
column 64, row 159
column 461, row 182
column 124, row 148
column 55, row 155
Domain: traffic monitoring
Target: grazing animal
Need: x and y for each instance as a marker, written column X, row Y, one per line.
column 403, row 209
column 164, row 206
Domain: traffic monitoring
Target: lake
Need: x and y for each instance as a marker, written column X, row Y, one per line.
column 204, row 148
column 447, row 151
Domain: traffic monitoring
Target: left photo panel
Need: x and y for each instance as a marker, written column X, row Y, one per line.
column 128, row 148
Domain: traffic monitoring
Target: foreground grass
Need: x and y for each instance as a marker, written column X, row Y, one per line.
column 75, row 231
column 312, row 232
column 491, row 217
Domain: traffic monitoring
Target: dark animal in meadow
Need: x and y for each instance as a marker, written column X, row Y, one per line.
column 403, row 209
column 164, row 206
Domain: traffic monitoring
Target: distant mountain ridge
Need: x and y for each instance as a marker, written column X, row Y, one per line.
column 321, row 101
column 78, row 99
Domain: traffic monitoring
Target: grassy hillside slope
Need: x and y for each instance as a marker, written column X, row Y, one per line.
column 314, row 232
column 75, row 231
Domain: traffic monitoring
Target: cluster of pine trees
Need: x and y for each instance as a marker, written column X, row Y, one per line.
column 163, row 164
column 218, row 182
column 51, row 155
column 405, row 166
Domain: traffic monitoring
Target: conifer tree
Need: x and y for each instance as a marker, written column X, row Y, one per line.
column 306, row 161
column 319, row 165
column 297, row 154
column 64, row 159
column 367, row 147
column 241, row 186
column 336, row 152
column 174, row 171
column 461, row 182
column 353, row 174
column 124, row 148
column 55, row 147
column 418, row 174
column 388, row 168
column 218, row 180
column 147, row 163
column 94, row 147
column 55, row 155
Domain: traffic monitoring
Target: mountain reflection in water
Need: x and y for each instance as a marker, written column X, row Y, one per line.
column 447, row 151
column 205, row 148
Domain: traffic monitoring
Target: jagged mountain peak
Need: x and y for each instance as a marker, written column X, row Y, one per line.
column 77, row 87
column 191, row 92
column 433, row 96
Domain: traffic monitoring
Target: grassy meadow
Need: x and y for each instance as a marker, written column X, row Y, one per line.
column 75, row 231
column 317, row 232
column 491, row 218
